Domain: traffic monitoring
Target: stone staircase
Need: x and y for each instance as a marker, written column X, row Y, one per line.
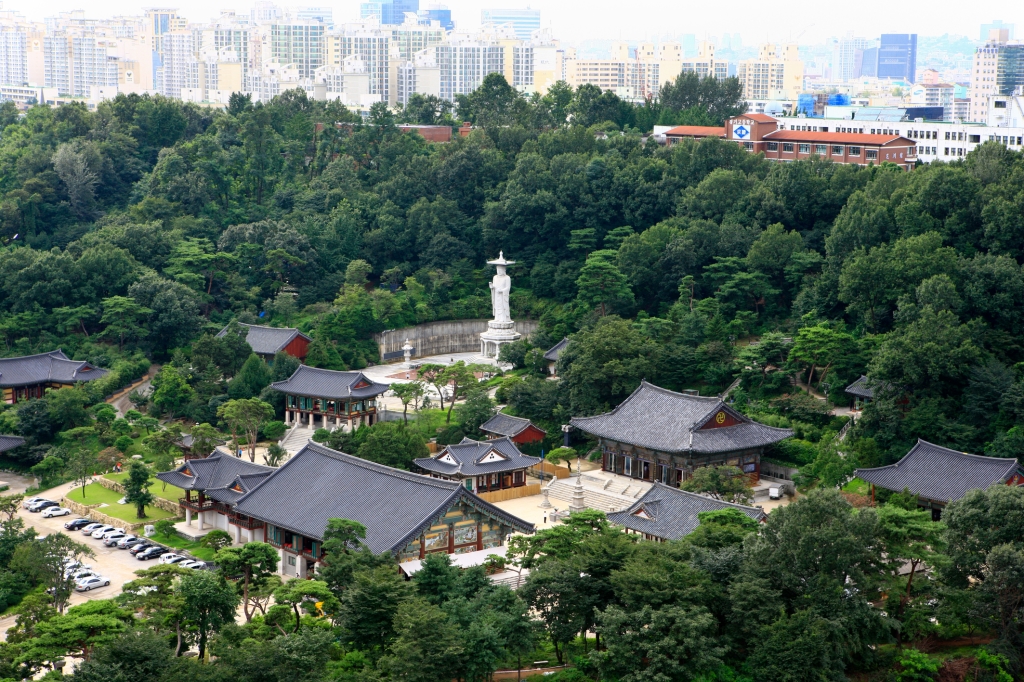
column 296, row 438
column 605, row 495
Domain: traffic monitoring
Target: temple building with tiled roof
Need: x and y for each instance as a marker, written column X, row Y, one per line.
column 668, row 513
column 325, row 398
column 554, row 353
column 939, row 475
column 406, row 514
column 212, row 485
column 28, row 376
column 660, row 435
column 520, row 430
column 268, row 341
column 481, row 466
column 9, row 442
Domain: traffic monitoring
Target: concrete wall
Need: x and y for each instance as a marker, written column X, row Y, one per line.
column 438, row 338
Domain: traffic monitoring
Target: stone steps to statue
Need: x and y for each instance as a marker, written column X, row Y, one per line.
column 562, row 491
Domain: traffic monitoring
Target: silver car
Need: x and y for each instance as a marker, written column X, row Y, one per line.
column 93, row 581
column 115, row 538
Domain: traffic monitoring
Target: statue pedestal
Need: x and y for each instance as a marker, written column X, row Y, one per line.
column 497, row 334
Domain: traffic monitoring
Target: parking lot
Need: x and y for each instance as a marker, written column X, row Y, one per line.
column 116, row 565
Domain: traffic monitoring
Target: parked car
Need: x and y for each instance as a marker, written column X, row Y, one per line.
column 114, row 538
column 29, row 501
column 87, row 530
column 128, row 541
column 113, row 531
column 172, row 558
column 93, row 581
column 141, row 547
column 51, row 512
column 195, row 565
column 151, row 553
column 72, row 565
column 77, row 524
column 99, row 532
column 79, row 574
column 41, row 505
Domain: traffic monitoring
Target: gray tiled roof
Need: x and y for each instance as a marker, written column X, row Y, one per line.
column 673, row 512
column 468, row 454
column 318, row 484
column 940, row 474
column 216, row 471
column 187, row 440
column 44, row 368
column 507, row 425
column 556, row 350
column 8, row 442
column 666, row 421
column 864, row 387
column 267, row 340
column 328, row 383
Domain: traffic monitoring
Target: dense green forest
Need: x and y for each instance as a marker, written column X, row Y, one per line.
column 134, row 233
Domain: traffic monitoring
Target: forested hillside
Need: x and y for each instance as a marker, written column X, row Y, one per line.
column 134, row 233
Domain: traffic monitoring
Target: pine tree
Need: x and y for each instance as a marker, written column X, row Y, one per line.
column 251, row 379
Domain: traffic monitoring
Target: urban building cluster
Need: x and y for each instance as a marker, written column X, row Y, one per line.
column 856, row 85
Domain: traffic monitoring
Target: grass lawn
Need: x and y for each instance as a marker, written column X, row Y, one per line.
column 157, row 487
column 178, row 542
column 857, row 486
column 95, row 494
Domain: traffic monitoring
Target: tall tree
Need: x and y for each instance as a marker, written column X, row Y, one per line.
column 136, row 488
column 246, row 415
column 208, row 603
column 251, row 565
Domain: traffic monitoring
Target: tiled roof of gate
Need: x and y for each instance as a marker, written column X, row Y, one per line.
column 673, row 512
column 267, row 340
column 216, row 471
column 8, row 442
column 666, row 421
column 468, row 454
column 52, row 367
column 328, row 383
column 940, row 474
column 318, row 484
column 507, row 425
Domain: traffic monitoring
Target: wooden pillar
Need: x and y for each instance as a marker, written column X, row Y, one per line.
column 479, row 536
column 423, row 547
column 451, row 538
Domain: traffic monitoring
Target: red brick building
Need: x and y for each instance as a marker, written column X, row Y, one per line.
column 760, row 133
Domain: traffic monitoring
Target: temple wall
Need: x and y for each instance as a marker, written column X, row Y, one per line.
column 438, row 338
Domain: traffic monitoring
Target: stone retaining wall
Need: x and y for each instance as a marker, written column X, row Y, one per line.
column 88, row 512
column 438, row 338
column 158, row 502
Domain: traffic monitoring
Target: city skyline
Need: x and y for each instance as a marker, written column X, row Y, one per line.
column 810, row 28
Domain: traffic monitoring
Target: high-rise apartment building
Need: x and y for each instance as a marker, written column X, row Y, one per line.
column 372, row 45
column 777, row 73
column 13, row 55
column 388, row 11
column 847, row 55
column 436, row 13
column 464, row 61
column 297, row 42
column 998, row 69
column 523, row 21
column 705, row 63
column 897, row 57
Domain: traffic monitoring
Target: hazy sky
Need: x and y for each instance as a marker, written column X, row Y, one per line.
column 810, row 22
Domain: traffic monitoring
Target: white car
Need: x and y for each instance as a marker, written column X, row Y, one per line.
column 87, row 530
column 55, row 511
column 196, row 565
column 29, row 501
column 72, row 565
column 99, row 532
column 93, row 581
column 80, row 574
column 172, row 558
column 113, row 531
